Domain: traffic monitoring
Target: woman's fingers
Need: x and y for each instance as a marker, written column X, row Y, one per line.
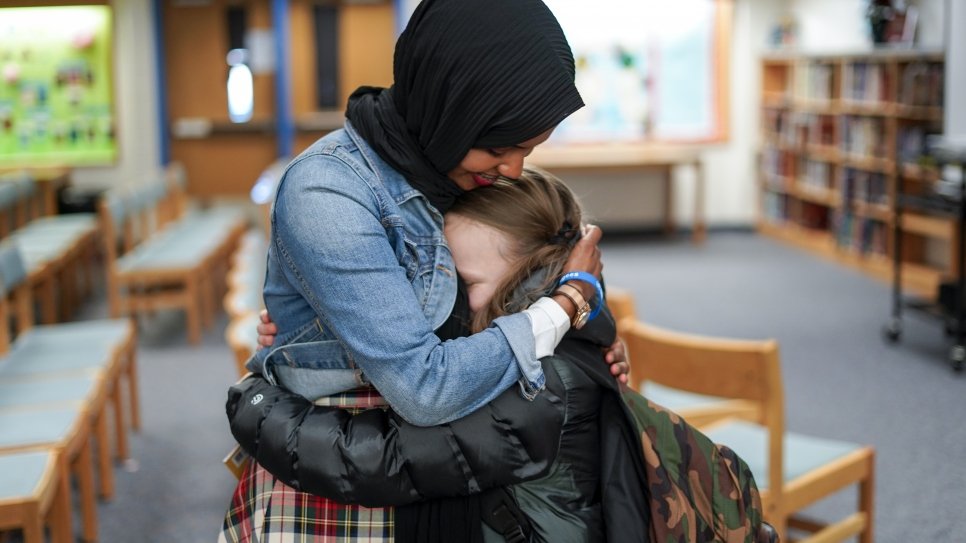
column 585, row 256
column 266, row 329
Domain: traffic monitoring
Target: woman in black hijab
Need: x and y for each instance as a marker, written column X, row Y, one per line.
column 356, row 232
column 467, row 75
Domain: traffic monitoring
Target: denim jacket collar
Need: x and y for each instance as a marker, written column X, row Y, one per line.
column 396, row 185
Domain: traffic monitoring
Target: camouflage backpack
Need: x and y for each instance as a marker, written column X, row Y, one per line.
column 697, row 491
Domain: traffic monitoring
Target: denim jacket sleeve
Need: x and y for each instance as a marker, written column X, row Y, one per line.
column 330, row 235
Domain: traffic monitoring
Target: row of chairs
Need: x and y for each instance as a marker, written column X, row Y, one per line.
column 59, row 386
column 243, row 302
column 59, row 250
column 732, row 390
column 160, row 254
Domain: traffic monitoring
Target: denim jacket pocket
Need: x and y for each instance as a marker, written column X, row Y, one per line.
column 263, row 360
column 315, row 369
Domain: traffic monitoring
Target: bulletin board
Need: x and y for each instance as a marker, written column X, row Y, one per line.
column 56, row 86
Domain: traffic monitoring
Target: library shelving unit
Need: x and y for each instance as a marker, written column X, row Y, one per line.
column 842, row 135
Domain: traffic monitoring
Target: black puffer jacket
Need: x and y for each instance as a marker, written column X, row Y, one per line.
column 376, row 458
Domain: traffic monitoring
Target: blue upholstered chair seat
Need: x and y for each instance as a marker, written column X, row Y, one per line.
column 67, row 219
column 45, row 391
column 676, row 399
column 802, row 453
column 78, row 334
column 44, row 359
column 20, row 428
column 168, row 252
column 22, row 473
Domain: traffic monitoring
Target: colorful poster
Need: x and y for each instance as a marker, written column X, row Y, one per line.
column 56, row 86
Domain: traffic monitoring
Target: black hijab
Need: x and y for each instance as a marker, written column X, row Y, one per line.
column 466, row 74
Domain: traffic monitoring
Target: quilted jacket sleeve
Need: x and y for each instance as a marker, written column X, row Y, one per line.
column 375, row 458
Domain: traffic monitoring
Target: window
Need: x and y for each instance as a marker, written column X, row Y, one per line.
column 647, row 69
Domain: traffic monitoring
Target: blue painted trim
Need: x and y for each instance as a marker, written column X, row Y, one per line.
column 398, row 6
column 284, row 124
column 164, row 132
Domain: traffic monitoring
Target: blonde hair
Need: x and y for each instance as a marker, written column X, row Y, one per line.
column 542, row 219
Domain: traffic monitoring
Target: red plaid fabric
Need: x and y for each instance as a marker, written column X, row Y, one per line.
column 265, row 510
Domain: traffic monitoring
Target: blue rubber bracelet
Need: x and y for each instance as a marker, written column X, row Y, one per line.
column 586, row 278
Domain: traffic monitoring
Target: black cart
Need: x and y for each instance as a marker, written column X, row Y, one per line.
column 948, row 199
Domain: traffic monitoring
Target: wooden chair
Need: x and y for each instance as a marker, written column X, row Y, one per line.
column 621, row 305
column 242, row 337
column 66, row 430
column 698, row 409
column 34, row 492
column 792, row 470
column 177, row 266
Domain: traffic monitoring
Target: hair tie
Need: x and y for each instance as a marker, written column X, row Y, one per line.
column 566, row 236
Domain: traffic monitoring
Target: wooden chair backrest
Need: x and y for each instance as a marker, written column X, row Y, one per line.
column 18, row 201
column 621, row 304
column 176, row 178
column 735, row 369
column 13, row 289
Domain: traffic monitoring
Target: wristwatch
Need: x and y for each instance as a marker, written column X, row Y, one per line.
column 583, row 308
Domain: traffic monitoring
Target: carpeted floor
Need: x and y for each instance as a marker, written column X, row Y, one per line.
column 841, row 381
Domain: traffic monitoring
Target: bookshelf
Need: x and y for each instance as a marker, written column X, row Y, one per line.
column 841, row 135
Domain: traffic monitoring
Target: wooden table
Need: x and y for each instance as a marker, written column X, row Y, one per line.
column 625, row 157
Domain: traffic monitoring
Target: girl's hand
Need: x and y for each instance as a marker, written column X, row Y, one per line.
column 266, row 330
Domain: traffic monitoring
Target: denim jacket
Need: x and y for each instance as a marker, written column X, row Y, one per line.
column 358, row 277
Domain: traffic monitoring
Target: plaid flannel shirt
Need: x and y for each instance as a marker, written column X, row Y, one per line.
column 265, row 510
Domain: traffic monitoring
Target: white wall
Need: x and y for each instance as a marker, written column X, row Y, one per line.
column 136, row 100
column 840, row 25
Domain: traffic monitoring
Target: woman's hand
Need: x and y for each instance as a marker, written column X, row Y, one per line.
column 616, row 356
column 585, row 256
column 266, row 330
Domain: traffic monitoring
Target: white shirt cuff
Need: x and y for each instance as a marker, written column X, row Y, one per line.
column 550, row 322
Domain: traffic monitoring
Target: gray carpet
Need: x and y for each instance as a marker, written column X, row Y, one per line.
column 841, row 381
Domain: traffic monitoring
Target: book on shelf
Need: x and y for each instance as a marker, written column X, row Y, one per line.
column 921, row 84
column 776, row 164
column 814, row 216
column 863, row 136
column 814, row 82
column 911, row 143
column 814, row 177
column 774, row 207
column 860, row 235
column 864, row 186
column 821, row 130
column 865, row 82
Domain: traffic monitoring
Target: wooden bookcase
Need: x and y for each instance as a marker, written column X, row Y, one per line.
column 840, row 136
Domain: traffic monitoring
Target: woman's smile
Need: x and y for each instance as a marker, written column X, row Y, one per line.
column 484, row 180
